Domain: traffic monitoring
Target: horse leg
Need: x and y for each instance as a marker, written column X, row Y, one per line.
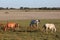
column 46, row 30
column 5, row 29
column 37, row 25
column 13, row 29
column 54, row 29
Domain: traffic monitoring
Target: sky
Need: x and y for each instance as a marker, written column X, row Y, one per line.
column 29, row 3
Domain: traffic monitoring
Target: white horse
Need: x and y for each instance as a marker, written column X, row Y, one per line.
column 50, row 26
column 34, row 23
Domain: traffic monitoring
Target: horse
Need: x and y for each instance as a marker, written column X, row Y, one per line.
column 34, row 23
column 49, row 26
column 11, row 25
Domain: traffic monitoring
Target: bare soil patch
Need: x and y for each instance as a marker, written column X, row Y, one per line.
column 18, row 15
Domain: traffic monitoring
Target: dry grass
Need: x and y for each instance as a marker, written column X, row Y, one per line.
column 21, row 15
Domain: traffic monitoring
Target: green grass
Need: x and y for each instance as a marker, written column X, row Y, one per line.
column 24, row 33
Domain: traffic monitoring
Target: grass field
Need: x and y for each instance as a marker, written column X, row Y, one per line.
column 24, row 33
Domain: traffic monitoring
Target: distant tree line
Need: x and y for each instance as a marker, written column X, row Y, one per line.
column 42, row 8
column 27, row 8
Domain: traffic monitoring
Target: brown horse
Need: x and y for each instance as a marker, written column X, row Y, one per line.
column 11, row 25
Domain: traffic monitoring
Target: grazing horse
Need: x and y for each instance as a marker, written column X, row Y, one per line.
column 34, row 23
column 49, row 26
column 11, row 25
